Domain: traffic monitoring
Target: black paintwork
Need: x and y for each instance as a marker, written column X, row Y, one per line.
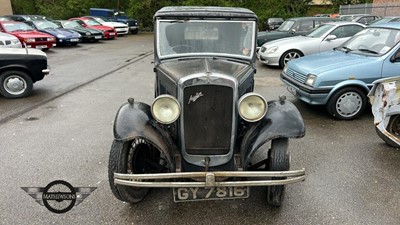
column 214, row 123
column 31, row 64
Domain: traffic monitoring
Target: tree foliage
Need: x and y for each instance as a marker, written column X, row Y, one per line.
column 143, row 10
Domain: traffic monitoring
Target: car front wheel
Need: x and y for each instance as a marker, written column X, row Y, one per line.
column 278, row 160
column 347, row 103
column 132, row 157
column 289, row 55
column 15, row 84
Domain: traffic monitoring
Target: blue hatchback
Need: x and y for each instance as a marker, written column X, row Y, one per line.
column 342, row 78
column 63, row 36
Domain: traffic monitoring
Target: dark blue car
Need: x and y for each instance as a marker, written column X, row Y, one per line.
column 63, row 36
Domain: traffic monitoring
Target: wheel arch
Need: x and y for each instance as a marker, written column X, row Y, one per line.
column 134, row 120
column 16, row 68
column 355, row 83
column 283, row 120
column 285, row 52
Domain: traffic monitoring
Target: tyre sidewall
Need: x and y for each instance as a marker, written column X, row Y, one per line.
column 21, row 74
column 331, row 106
column 118, row 163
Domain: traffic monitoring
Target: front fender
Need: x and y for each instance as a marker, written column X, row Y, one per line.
column 283, row 119
column 134, row 119
column 347, row 83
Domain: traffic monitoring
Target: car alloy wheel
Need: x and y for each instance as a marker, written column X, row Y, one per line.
column 289, row 55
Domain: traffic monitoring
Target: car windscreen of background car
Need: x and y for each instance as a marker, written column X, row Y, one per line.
column 376, row 41
column 318, row 32
column 286, row 25
column 205, row 38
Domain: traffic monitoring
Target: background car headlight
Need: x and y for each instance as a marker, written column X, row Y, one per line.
column 311, row 79
column 51, row 39
column 15, row 41
column 29, row 40
column 252, row 107
column 272, row 49
column 165, row 109
column 88, row 33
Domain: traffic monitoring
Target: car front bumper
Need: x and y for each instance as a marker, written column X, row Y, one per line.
column 270, row 60
column 305, row 93
column 168, row 180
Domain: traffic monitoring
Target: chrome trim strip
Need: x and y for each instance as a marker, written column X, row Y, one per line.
column 139, row 180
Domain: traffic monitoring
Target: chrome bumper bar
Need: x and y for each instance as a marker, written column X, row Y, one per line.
column 162, row 180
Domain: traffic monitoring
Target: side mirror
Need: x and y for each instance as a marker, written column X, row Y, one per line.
column 292, row 31
column 395, row 57
column 330, row 37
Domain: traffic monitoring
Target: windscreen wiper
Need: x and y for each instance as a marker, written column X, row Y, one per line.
column 368, row 50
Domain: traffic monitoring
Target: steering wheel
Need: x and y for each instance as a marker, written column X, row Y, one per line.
column 182, row 49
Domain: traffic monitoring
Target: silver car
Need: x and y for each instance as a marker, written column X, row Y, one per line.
column 324, row 38
column 9, row 41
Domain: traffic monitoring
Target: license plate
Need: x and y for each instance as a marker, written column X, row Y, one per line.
column 41, row 46
column 213, row 193
column 291, row 90
column 112, row 33
column 74, row 40
column 97, row 37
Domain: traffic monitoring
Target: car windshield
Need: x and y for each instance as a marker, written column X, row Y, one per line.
column 92, row 22
column 375, row 41
column 45, row 24
column 286, row 25
column 98, row 19
column 320, row 31
column 10, row 27
column 71, row 24
column 203, row 37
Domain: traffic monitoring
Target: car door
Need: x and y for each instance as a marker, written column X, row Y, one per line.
column 342, row 33
column 390, row 67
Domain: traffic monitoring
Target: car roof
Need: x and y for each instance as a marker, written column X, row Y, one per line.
column 395, row 25
column 345, row 23
column 205, row 11
column 312, row 18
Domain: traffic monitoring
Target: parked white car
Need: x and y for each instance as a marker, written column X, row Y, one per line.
column 9, row 41
column 121, row 28
column 324, row 38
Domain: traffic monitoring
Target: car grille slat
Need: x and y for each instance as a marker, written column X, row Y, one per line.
column 207, row 118
column 296, row 75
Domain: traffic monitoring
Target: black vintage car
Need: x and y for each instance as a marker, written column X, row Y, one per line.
column 205, row 124
column 19, row 69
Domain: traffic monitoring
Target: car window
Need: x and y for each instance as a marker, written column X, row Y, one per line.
column 320, row 31
column 205, row 37
column 45, row 24
column 286, row 26
column 305, row 25
column 376, row 41
column 10, row 27
column 346, row 31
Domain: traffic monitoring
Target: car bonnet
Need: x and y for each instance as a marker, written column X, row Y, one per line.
column 328, row 61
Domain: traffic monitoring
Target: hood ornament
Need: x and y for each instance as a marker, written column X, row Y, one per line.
column 195, row 97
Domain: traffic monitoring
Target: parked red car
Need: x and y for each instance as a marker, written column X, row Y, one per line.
column 26, row 34
column 109, row 32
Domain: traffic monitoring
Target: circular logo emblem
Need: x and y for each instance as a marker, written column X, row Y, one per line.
column 59, row 196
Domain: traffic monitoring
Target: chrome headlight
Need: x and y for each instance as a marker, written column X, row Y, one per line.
column 311, row 79
column 88, row 33
column 165, row 109
column 51, row 39
column 272, row 49
column 15, row 41
column 252, row 107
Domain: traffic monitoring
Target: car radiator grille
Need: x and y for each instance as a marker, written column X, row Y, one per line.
column 207, row 119
column 40, row 39
column 296, row 75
